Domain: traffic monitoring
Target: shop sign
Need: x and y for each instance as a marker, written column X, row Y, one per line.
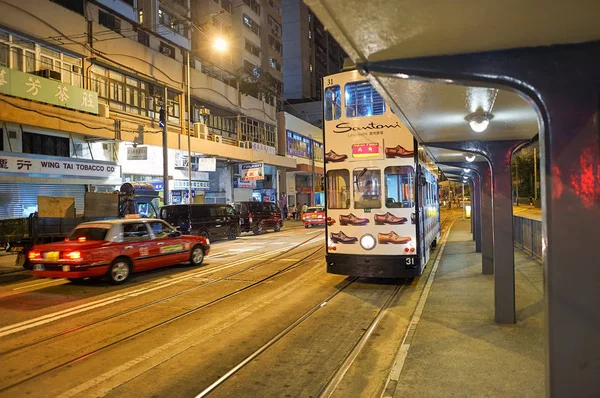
column 40, row 89
column 253, row 171
column 27, row 165
column 159, row 186
column 306, row 190
column 264, row 148
column 207, row 164
column 239, row 183
column 139, row 153
column 196, row 185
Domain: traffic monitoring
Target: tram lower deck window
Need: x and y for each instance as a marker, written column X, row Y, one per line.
column 367, row 189
column 338, row 189
column 399, row 187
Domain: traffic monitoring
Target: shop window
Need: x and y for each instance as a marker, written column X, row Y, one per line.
column 363, row 100
column 367, row 189
column 318, row 151
column 50, row 145
column 333, row 103
column 399, row 187
column 298, row 145
column 338, row 189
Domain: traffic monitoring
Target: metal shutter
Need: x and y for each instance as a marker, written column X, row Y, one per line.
column 17, row 199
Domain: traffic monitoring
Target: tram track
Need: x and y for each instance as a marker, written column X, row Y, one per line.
column 305, row 259
column 199, row 273
column 338, row 374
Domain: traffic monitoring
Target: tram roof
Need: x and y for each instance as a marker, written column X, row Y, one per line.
column 435, row 111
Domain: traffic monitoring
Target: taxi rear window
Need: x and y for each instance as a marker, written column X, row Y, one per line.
column 89, row 233
column 314, row 209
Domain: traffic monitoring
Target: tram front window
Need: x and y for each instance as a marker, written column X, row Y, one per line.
column 338, row 189
column 399, row 187
column 367, row 189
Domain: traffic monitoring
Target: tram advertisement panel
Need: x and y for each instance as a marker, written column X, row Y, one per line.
column 371, row 176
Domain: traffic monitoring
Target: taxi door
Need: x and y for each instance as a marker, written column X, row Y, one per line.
column 137, row 244
column 165, row 249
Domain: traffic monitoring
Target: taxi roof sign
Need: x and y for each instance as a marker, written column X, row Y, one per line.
column 130, row 216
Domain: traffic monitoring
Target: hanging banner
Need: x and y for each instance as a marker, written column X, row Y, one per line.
column 207, row 164
column 253, row 171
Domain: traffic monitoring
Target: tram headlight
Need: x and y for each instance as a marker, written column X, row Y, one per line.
column 367, row 241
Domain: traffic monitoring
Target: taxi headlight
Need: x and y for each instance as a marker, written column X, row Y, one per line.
column 367, row 241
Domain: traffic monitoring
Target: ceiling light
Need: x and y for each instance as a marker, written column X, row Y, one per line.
column 469, row 157
column 467, row 170
column 478, row 121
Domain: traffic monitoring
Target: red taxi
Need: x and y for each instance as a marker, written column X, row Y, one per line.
column 117, row 248
column 315, row 216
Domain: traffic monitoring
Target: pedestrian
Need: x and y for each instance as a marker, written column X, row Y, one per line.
column 304, row 210
column 285, row 212
column 530, row 200
column 293, row 212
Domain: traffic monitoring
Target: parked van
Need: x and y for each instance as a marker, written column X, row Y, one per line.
column 211, row 221
column 259, row 216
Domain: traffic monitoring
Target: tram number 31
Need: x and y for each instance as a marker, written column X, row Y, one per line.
column 410, row 261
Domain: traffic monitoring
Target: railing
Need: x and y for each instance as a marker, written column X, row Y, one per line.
column 528, row 235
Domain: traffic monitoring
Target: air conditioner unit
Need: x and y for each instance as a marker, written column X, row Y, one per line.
column 49, row 74
column 201, row 130
column 218, row 138
column 103, row 110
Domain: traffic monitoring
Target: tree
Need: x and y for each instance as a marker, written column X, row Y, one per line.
column 522, row 166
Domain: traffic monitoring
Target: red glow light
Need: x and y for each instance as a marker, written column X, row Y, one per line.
column 74, row 255
column 32, row 255
column 81, row 239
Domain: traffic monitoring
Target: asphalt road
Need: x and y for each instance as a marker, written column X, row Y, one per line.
column 183, row 331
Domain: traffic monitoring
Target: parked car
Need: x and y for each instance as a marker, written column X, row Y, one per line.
column 314, row 216
column 259, row 216
column 208, row 220
column 116, row 249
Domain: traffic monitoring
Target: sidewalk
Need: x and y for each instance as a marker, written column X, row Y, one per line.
column 458, row 349
column 528, row 212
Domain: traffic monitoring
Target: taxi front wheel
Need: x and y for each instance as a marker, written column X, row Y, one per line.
column 197, row 256
column 119, row 271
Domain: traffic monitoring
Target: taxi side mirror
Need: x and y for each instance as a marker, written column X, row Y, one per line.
column 175, row 234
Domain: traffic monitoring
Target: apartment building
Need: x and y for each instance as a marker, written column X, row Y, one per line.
column 82, row 85
column 309, row 54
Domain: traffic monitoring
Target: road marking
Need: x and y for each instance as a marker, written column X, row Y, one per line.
column 160, row 284
column 394, row 377
column 55, row 281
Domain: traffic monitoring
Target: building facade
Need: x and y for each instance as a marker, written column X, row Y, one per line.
column 82, row 86
column 302, row 142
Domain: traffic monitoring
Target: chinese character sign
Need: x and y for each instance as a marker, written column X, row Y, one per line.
column 54, row 92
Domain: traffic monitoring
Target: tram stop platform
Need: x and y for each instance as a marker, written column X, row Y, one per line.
column 457, row 349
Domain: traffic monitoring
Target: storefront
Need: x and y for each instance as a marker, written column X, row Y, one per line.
column 24, row 177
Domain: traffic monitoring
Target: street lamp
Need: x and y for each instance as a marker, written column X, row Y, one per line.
column 220, row 44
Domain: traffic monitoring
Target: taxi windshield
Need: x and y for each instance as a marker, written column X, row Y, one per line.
column 89, row 233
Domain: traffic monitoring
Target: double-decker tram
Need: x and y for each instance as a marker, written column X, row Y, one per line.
column 382, row 194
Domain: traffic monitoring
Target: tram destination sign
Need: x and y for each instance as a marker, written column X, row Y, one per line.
column 28, row 165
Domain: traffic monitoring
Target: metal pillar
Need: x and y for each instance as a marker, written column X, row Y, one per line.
column 563, row 83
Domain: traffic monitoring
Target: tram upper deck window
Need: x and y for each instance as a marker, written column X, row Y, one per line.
column 399, row 187
column 338, row 189
column 367, row 189
column 333, row 103
column 363, row 100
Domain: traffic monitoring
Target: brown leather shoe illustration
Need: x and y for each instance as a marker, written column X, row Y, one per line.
column 389, row 218
column 330, row 221
column 341, row 237
column 392, row 237
column 352, row 220
column 334, row 157
column 398, row 151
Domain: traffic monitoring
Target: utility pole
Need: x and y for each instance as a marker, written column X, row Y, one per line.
column 189, row 139
column 517, row 176
column 165, row 149
column 463, row 199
